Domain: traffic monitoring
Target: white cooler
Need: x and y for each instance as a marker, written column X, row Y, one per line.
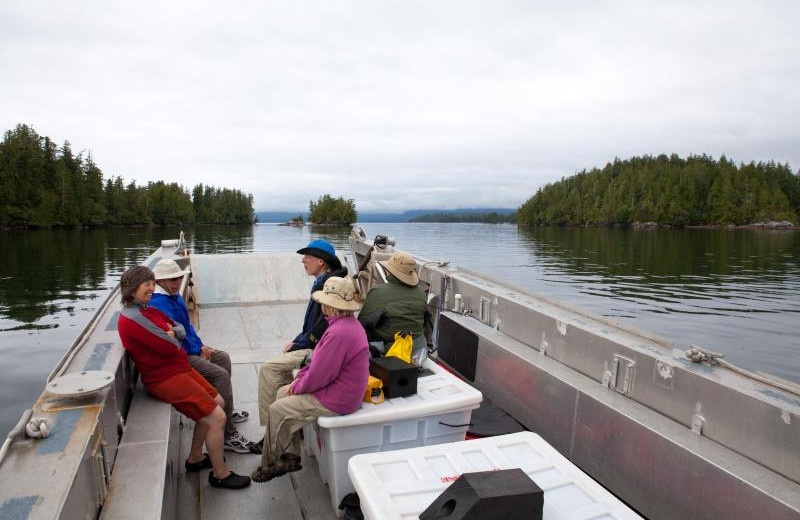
column 438, row 413
column 399, row 485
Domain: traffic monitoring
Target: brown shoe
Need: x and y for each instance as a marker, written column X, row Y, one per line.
column 266, row 474
column 290, row 462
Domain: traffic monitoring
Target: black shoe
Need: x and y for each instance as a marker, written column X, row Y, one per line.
column 257, row 447
column 192, row 467
column 232, row 481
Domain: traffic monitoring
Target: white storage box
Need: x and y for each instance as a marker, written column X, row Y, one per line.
column 399, row 485
column 438, row 413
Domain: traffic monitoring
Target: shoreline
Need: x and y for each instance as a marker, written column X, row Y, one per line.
column 768, row 226
column 35, row 227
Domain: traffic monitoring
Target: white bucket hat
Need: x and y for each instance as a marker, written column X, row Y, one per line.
column 339, row 293
column 403, row 266
column 168, row 268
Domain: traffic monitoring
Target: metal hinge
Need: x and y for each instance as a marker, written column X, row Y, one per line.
column 698, row 420
column 620, row 375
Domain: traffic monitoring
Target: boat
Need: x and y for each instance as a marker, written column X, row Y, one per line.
column 674, row 434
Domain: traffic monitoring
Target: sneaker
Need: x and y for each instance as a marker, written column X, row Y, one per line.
column 237, row 443
column 232, row 481
column 240, row 416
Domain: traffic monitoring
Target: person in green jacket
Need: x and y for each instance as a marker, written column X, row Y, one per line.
column 396, row 306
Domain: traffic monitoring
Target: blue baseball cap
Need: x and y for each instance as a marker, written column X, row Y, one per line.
column 323, row 250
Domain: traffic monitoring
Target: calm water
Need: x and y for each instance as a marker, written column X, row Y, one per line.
column 737, row 292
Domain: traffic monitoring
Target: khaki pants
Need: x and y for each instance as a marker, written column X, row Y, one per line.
column 287, row 416
column 272, row 375
column 217, row 371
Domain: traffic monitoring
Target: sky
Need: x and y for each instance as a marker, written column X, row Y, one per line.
column 400, row 104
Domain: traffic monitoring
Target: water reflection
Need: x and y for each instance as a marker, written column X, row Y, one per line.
column 220, row 239
column 685, row 271
column 736, row 292
column 44, row 271
column 732, row 291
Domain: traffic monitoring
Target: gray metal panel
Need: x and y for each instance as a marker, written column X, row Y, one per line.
column 658, row 466
column 523, row 391
column 256, row 277
column 143, row 469
column 650, row 470
column 83, row 497
column 748, row 416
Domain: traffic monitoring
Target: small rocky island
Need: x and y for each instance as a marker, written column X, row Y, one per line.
column 329, row 211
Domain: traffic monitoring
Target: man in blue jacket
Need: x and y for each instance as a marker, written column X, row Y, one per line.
column 214, row 365
column 320, row 261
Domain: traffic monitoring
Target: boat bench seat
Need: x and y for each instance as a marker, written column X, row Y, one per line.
column 143, row 470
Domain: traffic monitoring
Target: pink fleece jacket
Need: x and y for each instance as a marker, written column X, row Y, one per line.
column 339, row 369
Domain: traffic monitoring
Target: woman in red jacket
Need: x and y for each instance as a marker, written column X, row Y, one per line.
column 153, row 341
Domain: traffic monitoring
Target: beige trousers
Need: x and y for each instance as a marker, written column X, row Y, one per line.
column 287, row 416
column 272, row 375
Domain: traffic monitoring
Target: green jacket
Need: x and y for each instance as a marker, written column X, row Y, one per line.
column 403, row 306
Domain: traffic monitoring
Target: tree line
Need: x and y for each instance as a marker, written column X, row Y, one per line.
column 332, row 211
column 491, row 217
column 698, row 190
column 42, row 184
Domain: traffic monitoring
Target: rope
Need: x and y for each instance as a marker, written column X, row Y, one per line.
column 703, row 356
column 37, row 428
column 714, row 358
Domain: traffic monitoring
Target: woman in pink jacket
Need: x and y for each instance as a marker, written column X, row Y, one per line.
column 332, row 384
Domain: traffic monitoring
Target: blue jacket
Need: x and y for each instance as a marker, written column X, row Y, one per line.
column 175, row 308
column 314, row 322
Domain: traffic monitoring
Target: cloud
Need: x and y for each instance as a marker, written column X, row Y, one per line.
column 400, row 104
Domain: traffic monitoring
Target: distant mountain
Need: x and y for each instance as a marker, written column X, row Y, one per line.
column 364, row 217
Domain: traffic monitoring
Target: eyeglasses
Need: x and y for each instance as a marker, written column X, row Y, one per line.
column 176, row 279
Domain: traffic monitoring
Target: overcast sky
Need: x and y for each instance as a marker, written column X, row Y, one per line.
column 400, row 104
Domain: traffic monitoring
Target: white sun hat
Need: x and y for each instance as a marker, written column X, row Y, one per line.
column 169, row 268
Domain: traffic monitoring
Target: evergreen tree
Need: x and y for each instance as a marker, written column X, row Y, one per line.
column 43, row 185
column 669, row 190
column 327, row 210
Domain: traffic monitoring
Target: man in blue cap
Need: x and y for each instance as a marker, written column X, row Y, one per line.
column 320, row 261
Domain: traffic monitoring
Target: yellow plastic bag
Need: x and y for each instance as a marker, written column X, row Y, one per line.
column 374, row 392
column 401, row 348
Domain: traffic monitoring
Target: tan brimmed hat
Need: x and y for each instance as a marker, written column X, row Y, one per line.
column 168, row 268
column 339, row 293
column 402, row 266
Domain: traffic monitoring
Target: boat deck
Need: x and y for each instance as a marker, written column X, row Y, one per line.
column 297, row 496
column 252, row 332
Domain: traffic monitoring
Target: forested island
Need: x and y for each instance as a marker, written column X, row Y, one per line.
column 43, row 185
column 668, row 190
column 491, row 217
column 329, row 211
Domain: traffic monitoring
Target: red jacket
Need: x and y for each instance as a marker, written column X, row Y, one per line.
column 143, row 333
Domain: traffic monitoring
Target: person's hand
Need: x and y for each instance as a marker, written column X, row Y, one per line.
column 287, row 346
column 171, row 333
column 290, row 390
column 206, row 352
